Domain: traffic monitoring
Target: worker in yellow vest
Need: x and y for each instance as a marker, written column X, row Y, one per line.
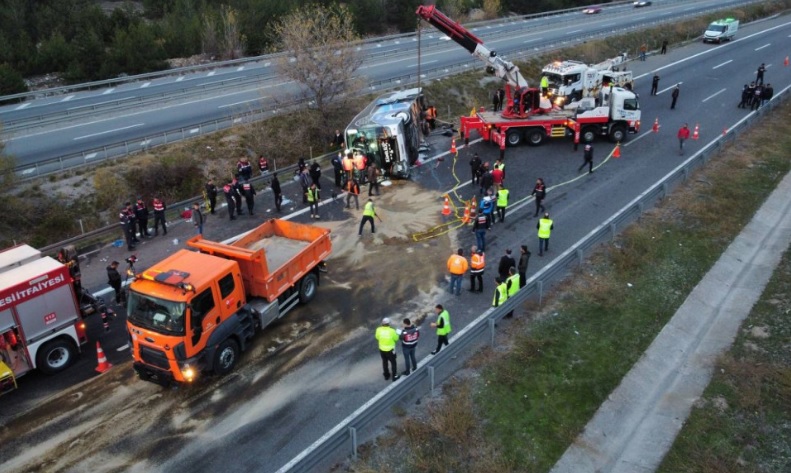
column 544, row 86
column 512, row 286
column 387, row 338
column 313, row 200
column 502, row 203
column 477, row 266
column 500, row 292
column 443, row 327
column 545, row 226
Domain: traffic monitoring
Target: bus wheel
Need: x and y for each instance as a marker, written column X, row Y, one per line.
column 225, row 357
column 55, row 356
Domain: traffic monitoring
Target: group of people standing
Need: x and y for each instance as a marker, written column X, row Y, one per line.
column 134, row 220
column 755, row 95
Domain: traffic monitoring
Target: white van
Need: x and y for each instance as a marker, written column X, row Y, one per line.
column 721, row 30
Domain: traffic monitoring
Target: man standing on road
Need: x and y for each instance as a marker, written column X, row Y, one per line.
column 159, row 215
column 457, row 266
column 502, row 203
column 249, row 196
column 539, row 192
column 683, row 135
column 313, row 200
column 506, row 263
column 352, row 191
column 126, row 217
column 443, row 327
column 409, row 337
column 674, row 95
column 278, row 193
column 664, row 47
column 524, row 259
column 767, row 94
column 337, row 167
column 141, row 214
column 114, row 280
column 654, row 84
column 588, row 159
column 197, row 218
column 369, row 212
column 237, row 195
column 475, row 165
column 545, row 227
column 387, row 338
column 477, row 267
column 211, row 196
column 759, row 77
column 500, row 292
column 643, row 50
column 229, row 190
column 512, row 287
column 745, row 96
column 480, row 226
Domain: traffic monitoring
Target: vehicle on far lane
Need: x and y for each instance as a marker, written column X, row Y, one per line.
column 642, row 4
column 592, row 10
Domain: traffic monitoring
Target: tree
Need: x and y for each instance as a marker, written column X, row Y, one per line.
column 492, row 8
column 232, row 40
column 319, row 52
column 10, row 81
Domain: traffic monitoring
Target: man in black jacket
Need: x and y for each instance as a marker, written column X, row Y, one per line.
column 275, row 185
column 506, row 263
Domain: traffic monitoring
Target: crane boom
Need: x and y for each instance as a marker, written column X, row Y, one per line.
column 496, row 65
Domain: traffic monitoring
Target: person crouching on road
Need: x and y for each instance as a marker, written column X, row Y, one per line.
column 387, row 338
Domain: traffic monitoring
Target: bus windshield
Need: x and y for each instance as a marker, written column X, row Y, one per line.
column 159, row 315
column 377, row 144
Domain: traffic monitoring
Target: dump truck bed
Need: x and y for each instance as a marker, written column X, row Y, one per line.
column 274, row 256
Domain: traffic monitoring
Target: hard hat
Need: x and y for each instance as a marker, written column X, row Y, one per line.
column 386, row 321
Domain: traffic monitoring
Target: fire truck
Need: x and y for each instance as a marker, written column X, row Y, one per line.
column 41, row 326
column 570, row 81
column 527, row 115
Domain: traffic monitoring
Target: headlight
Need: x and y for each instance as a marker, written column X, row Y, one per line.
column 188, row 372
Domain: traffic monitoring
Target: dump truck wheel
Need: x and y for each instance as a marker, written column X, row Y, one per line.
column 225, row 357
column 55, row 356
column 308, row 288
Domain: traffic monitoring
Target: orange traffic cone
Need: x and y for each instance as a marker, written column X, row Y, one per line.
column 453, row 146
column 104, row 365
column 696, row 134
column 785, row 63
column 446, row 207
column 617, row 152
column 655, row 128
column 473, row 209
column 466, row 219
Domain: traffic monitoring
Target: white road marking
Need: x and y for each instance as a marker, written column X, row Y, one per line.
column 101, row 103
column 574, row 31
column 239, row 103
column 145, row 85
column 29, row 171
column 90, row 155
column 110, row 90
column 423, row 64
column 180, row 78
column 714, row 95
column 607, row 24
column 634, row 140
column 109, row 131
column 66, row 99
column 211, row 73
column 194, row 130
column 720, row 65
column 531, row 40
column 665, row 90
column 23, row 106
column 764, row 46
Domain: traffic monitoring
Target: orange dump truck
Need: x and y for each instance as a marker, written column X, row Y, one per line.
column 195, row 311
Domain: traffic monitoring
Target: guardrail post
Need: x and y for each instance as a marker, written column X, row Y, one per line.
column 540, row 286
column 664, row 190
column 613, row 230
column 431, row 378
column 579, row 256
column 640, row 209
column 353, row 435
column 491, row 330
column 82, row 230
column 684, row 173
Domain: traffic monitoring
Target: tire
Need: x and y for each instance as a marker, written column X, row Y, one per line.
column 535, row 136
column 308, row 287
column 588, row 134
column 55, row 356
column 513, row 138
column 618, row 134
column 225, row 357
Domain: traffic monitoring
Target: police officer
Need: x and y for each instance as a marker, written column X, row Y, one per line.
column 114, row 280
column 230, row 191
column 443, row 327
column 337, row 167
column 278, row 193
column 475, row 165
column 387, row 338
column 211, row 194
column 159, row 216
column 539, row 192
column 654, row 84
column 409, row 337
column 588, row 158
column 141, row 215
column 477, row 267
column 244, row 169
column 521, row 266
column 544, row 226
column 126, row 217
column 237, row 196
column 249, row 195
column 263, row 164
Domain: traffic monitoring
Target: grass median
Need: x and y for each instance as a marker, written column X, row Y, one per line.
column 518, row 408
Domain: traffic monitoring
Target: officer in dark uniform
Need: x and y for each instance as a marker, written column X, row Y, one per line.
column 126, row 217
column 230, row 190
column 159, row 215
column 211, row 194
column 248, row 191
column 141, row 214
column 237, row 196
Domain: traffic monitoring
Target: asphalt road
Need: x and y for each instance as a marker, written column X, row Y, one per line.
column 276, row 404
column 136, row 115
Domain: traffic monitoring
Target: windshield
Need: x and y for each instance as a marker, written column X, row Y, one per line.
column 159, row 315
column 378, row 145
column 631, row 104
column 554, row 80
column 717, row 28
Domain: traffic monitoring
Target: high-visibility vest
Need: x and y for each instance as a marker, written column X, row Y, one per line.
column 477, row 262
column 544, row 228
column 348, row 164
column 500, row 295
column 513, row 288
column 444, row 315
column 387, row 337
column 457, row 264
column 544, row 82
column 502, row 198
column 313, row 195
column 369, row 211
column 500, row 166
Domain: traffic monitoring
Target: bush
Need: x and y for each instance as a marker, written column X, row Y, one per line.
column 11, row 81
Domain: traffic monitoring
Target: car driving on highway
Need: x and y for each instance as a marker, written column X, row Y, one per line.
column 592, row 10
column 642, row 4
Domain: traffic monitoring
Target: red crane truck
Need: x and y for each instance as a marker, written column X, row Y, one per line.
column 195, row 311
column 527, row 114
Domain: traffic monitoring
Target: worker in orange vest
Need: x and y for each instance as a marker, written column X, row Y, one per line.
column 477, row 266
column 360, row 162
column 348, row 166
column 457, row 265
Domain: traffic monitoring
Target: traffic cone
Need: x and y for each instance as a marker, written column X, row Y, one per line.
column 696, row 134
column 104, row 365
column 473, row 209
column 453, row 147
column 466, row 219
column 446, row 207
column 617, row 152
column 785, row 63
column 655, row 128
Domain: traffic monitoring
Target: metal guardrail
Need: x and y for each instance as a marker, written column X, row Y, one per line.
column 343, row 439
